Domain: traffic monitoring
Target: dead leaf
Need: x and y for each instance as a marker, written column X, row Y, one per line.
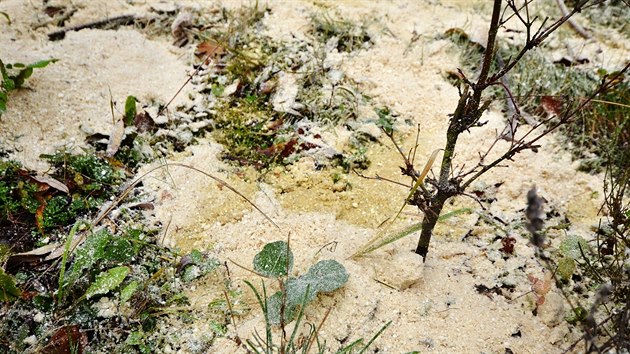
column 51, row 11
column 508, row 245
column 115, row 138
column 209, row 50
column 568, row 62
column 541, row 287
column 38, row 251
column 51, row 182
column 551, row 104
column 144, row 122
column 68, row 339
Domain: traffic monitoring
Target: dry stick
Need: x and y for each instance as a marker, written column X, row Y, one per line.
column 572, row 22
column 533, row 41
column 116, row 21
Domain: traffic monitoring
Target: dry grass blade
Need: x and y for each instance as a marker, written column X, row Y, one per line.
column 384, row 238
column 419, row 181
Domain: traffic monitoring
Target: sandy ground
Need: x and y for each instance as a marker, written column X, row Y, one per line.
column 433, row 306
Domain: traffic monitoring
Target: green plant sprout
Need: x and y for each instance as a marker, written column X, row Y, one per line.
column 14, row 75
column 275, row 261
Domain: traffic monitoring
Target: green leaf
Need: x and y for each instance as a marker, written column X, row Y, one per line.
column 107, row 281
column 275, row 260
column 274, row 308
column 8, row 290
column 119, row 250
column 3, row 102
column 42, row 63
column 327, row 276
column 22, row 76
column 130, row 110
column 198, row 265
column 135, row 338
column 92, row 250
column 566, row 267
column 576, row 316
column 571, row 246
column 324, row 277
column 127, row 292
column 64, row 259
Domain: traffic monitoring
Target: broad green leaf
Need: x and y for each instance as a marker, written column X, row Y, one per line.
column 107, row 281
column 92, row 250
column 130, row 110
column 327, row 276
column 571, row 246
column 127, row 292
column 8, row 290
column 274, row 308
column 119, row 249
column 275, row 260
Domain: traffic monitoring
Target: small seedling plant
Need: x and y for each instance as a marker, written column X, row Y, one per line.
column 13, row 77
column 275, row 261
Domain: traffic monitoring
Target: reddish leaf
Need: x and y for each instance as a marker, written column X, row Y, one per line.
column 68, row 339
column 209, row 50
column 282, row 149
column 39, row 216
column 508, row 245
column 551, row 104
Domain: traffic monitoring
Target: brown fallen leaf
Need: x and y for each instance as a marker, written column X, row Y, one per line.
column 540, row 287
column 551, row 104
column 143, row 122
column 209, row 50
column 68, row 339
